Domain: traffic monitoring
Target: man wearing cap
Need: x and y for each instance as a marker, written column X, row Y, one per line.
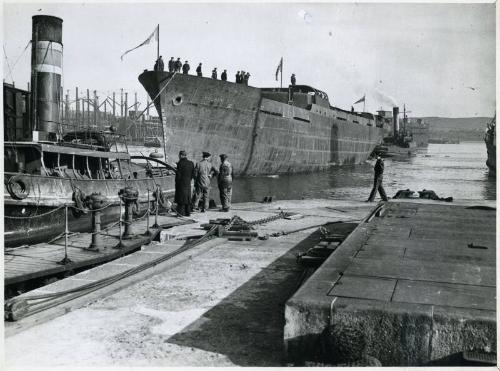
column 183, row 176
column 185, row 68
column 171, row 64
column 198, row 70
column 225, row 182
column 377, row 181
column 203, row 173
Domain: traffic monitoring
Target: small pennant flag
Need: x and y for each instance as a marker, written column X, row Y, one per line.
column 146, row 42
column 280, row 68
column 360, row 100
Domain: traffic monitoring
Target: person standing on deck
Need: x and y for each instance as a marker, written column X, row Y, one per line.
column 178, row 65
column 185, row 68
column 183, row 176
column 161, row 65
column 293, row 80
column 377, row 181
column 203, row 173
column 198, row 71
column 223, row 75
column 171, row 64
column 225, row 182
column 214, row 73
column 237, row 80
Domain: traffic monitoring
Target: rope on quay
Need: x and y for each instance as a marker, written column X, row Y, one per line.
column 20, row 307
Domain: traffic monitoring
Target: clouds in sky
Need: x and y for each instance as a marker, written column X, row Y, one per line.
column 423, row 55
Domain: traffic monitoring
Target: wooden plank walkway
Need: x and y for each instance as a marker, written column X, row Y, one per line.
column 42, row 260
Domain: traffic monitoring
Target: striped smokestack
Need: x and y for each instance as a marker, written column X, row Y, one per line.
column 46, row 74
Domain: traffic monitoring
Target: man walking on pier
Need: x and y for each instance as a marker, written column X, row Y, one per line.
column 377, row 181
column 198, row 70
column 203, row 172
column 183, row 176
column 225, row 182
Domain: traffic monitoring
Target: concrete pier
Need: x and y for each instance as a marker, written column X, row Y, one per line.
column 218, row 304
column 416, row 280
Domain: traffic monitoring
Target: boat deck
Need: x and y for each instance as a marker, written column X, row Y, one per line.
column 43, row 260
column 418, row 280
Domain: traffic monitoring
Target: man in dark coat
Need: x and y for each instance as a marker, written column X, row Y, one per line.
column 377, row 181
column 186, row 68
column 293, row 80
column 161, row 65
column 223, row 75
column 214, row 73
column 198, row 70
column 237, row 77
column 178, row 65
column 171, row 64
column 183, row 176
column 225, row 182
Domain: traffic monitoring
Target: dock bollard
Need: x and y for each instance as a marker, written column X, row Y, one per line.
column 129, row 196
column 96, row 202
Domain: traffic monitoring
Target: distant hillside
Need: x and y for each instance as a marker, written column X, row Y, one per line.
column 463, row 129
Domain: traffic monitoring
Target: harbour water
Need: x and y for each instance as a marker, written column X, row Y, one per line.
column 457, row 170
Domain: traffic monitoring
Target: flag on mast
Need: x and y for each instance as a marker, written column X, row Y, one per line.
column 360, row 100
column 280, row 68
column 154, row 35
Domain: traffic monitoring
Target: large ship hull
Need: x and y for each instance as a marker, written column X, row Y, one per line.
column 260, row 135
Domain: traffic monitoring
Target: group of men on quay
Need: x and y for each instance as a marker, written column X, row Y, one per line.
column 201, row 173
column 242, row 77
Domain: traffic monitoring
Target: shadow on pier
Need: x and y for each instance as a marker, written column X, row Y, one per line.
column 247, row 326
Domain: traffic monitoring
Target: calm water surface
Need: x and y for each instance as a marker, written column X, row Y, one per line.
column 457, row 170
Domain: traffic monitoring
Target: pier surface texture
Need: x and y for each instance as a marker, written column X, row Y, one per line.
column 416, row 281
column 220, row 303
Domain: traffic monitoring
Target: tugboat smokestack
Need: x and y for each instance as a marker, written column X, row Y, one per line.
column 46, row 74
column 395, row 118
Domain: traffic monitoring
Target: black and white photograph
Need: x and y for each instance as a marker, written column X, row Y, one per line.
column 227, row 184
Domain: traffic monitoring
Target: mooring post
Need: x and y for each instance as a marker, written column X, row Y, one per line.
column 96, row 203
column 129, row 197
column 65, row 260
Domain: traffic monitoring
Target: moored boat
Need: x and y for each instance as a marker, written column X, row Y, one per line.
column 50, row 169
column 491, row 148
column 262, row 130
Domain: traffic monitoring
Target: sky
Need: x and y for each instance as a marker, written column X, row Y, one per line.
column 437, row 59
